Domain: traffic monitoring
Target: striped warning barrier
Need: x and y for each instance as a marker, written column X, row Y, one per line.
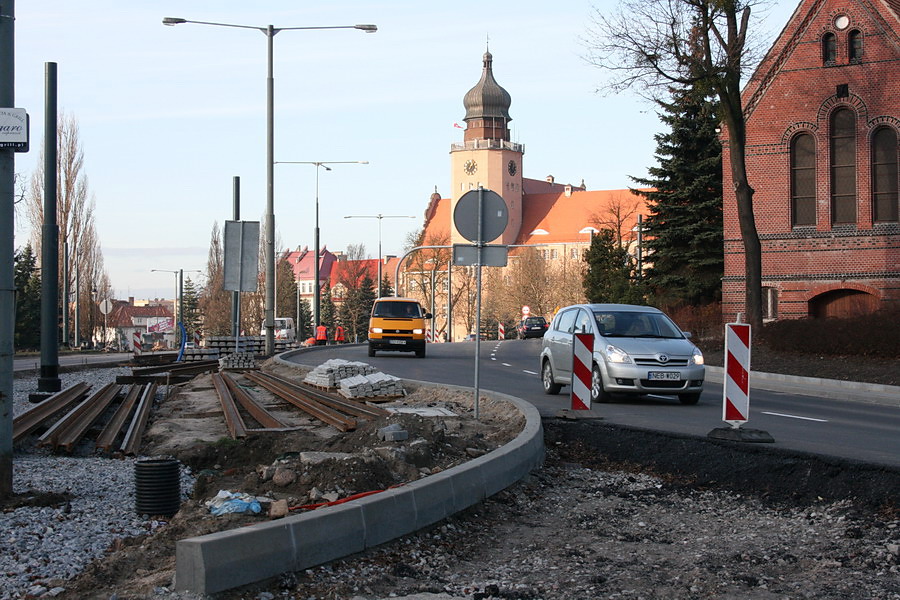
column 501, row 331
column 136, row 343
column 736, row 392
column 428, row 336
column 197, row 338
column 582, row 350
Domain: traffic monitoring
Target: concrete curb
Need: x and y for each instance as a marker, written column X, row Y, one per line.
column 872, row 393
column 220, row 561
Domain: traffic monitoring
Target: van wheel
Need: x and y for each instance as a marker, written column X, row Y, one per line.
column 371, row 351
column 420, row 353
column 598, row 394
column 550, row 387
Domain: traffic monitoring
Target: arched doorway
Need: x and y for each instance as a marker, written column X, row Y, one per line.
column 842, row 303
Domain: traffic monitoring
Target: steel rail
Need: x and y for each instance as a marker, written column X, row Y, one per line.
column 50, row 437
column 356, row 409
column 74, row 431
column 323, row 413
column 108, row 436
column 132, row 441
column 233, row 420
column 256, row 410
column 31, row 419
column 198, row 366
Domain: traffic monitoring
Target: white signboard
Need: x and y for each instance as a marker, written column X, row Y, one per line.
column 14, row 129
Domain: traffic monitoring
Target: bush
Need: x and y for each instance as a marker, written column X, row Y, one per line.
column 704, row 322
column 875, row 335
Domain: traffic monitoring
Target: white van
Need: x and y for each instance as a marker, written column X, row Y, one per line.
column 284, row 329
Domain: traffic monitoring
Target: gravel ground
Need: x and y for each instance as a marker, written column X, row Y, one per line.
column 578, row 528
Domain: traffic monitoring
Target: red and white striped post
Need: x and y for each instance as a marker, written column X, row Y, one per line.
column 501, row 332
column 736, row 392
column 582, row 350
column 197, row 338
column 136, row 343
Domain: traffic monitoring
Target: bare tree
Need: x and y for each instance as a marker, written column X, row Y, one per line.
column 215, row 301
column 619, row 216
column 650, row 45
column 75, row 217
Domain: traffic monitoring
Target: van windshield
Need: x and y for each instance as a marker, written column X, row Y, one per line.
column 397, row 310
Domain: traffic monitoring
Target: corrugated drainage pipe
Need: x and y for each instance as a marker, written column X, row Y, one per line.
column 157, row 485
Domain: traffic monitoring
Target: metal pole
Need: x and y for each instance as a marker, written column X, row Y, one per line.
column 7, row 251
column 236, row 295
column 379, row 256
column 640, row 239
column 478, row 299
column 49, row 380
column 450, row 298
column 270, row 197
column 316, row 320
column 180, row 301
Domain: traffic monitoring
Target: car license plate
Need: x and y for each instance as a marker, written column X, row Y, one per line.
column 664, row 376
column 400, row 342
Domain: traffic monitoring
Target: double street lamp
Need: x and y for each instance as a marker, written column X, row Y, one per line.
column 319, row 165
column 269, row 31
column 380, row 216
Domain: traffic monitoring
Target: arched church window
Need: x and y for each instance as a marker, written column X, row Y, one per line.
column 855, row 45
column 843, row 166
column 829, row 48
column 884, row 175
column 803, row 180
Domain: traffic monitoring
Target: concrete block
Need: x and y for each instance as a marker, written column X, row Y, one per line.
column 388, row 515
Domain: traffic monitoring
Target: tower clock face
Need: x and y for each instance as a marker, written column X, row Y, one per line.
column 470, row 166
column 511, row 167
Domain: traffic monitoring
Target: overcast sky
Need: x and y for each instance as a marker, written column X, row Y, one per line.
column 169, row 115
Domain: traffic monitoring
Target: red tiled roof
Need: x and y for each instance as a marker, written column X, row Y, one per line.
column 123, row 314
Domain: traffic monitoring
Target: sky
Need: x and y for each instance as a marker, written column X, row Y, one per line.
column 168, row 116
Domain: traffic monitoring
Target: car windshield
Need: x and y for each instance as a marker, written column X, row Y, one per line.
column 636, row 324
column 534, row 321
column 397, row 310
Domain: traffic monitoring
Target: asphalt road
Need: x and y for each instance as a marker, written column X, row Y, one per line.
column 845, row 428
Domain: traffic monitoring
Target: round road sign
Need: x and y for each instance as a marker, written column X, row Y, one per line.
column 526, row 310
column 495, row 216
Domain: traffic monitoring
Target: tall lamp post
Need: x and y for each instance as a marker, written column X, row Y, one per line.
column 269, row 31
column 324, row 165
column 380, row 216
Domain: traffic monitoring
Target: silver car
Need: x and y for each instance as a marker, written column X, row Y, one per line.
column 637, row 350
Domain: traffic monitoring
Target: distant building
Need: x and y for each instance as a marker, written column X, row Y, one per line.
column 154, row 321
column 823, row 118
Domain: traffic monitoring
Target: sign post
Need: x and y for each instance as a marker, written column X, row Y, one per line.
column 736, row 389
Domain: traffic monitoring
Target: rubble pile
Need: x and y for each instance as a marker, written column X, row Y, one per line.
column 331, row 372
column 374, row 385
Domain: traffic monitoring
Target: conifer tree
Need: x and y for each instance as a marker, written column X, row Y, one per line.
column 28, row 300
column 609, row 276
column 683, row 233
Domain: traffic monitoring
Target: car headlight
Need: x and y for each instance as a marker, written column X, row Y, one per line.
column 696, row 357
column 418, row 331
column 376, row 330
column 617, row 355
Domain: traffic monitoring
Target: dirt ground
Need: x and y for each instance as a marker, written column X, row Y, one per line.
column 313, row 464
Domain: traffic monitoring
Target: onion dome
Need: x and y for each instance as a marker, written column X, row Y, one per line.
column 487, row 99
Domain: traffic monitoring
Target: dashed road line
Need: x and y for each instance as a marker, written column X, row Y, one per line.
column 774, row 414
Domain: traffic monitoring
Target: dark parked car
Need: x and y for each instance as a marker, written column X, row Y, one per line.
column 531, row 327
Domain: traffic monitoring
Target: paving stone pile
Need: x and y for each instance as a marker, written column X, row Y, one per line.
column 237, row 360
column 374, row 385
column 331, row 372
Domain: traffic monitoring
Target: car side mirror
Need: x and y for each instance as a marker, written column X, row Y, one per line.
column 687, row 334
column 428, row 315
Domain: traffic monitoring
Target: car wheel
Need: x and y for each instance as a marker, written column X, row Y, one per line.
column 692, row 398
column 550, row 387
column 371, row 351
column 598, row 394
column 420, row 353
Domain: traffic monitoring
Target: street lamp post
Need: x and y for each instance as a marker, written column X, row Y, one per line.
column 269, row 31
column 380, row 217
column 324, row 165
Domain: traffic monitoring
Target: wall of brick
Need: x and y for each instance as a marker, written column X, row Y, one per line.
column 793, row 92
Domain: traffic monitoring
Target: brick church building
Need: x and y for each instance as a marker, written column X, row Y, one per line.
column 823, row 119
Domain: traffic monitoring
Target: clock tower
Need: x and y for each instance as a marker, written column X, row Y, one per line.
column 486, row 157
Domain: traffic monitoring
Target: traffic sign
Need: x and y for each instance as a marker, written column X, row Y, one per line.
column 106, row 306
column 526, row 310
column 494, row 215
column 736, row 392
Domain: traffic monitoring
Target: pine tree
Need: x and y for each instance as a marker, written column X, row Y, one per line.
column 304, row 324
column 327, row 312
column 28, row 300
column 683, row 233
column 610, row 276
column 386, row 287
column 191, row 301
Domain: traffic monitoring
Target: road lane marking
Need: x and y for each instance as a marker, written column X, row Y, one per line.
column 529, row 372
column 774, row 414
column 506, row 364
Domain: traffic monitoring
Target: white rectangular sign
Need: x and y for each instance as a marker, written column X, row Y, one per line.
column 14, row 128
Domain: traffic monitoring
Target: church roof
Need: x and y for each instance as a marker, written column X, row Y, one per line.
column 487, row 98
